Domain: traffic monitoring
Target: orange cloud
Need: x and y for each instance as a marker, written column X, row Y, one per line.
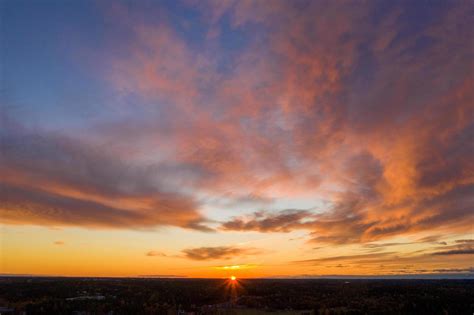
column 219, row 252
column 322, row 103
column 154, row 253
column 59, row 181
column 320, row 107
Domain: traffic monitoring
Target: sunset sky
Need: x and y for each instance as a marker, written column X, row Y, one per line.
column 248, row 138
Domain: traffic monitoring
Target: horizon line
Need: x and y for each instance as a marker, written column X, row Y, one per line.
column 425, row 276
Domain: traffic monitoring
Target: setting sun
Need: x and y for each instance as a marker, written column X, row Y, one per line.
column 233, row 278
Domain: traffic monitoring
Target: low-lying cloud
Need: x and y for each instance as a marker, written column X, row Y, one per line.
column 219, row 252
column 154, row 253
column 465, row 247
column 59, row 181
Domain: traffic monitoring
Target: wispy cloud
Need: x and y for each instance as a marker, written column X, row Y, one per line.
column 154, row 253
column 458, row 247
column 57, row 180
column 219, row 252
column 375, row 256
column 462, row 250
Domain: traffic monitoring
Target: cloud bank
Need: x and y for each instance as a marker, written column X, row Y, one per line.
column 366, row 109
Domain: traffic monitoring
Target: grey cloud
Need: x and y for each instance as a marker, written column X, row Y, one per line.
column 49, row 179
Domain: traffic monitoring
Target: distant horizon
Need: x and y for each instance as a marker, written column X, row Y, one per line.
column 433, row 276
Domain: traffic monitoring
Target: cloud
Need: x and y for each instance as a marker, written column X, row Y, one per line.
column 59, row 181
column 395, row 148
column 283, row 221
column 219, row 252
column 397, row 262
column 59, row 243
column 371, row 118
column 465, row 241
column 347, row 258
column 430, row 239
column 154, row 253
column 454, row 270
column 433, row 239
column 383, row 245
column 461, row 250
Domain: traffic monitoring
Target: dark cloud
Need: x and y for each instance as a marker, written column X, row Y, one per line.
column 348, row 221
column 283, row 221
column 50, row 179
column 461, row 251
column 352, row 258
column 465, row 247
column 383, row 245
column 219, row 252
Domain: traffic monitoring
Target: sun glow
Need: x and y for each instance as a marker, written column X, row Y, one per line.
column 233, row 278
column 236, row 267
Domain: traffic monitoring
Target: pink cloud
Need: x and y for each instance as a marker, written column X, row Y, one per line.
column 322, row 102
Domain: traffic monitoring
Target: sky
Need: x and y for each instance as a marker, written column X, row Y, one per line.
column 248, row 138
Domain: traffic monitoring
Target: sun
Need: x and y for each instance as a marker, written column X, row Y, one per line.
column 233, row 278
